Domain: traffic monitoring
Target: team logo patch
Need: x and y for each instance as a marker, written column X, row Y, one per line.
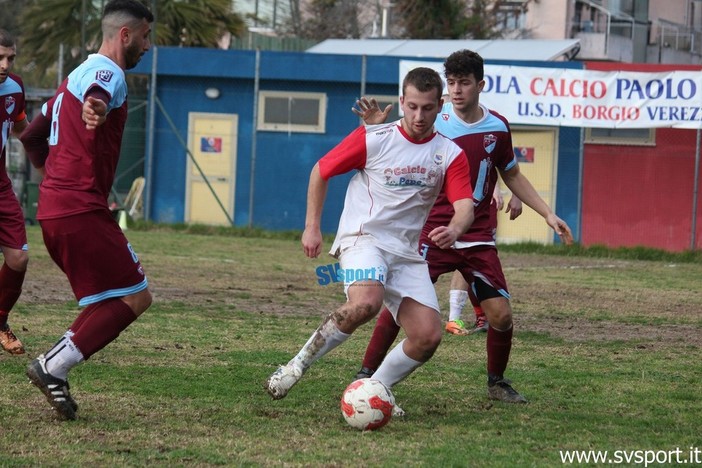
column 104, row 76
column 438, row 158
column 445, row 116
column 489, row 142
column 9, row 104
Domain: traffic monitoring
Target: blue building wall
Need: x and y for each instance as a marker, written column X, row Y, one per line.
column 569, row 177
column 283, row 160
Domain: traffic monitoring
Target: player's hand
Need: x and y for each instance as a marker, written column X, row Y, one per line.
column 312, row 242
column 444, row 236
column 566, row 236
column 498, row 199
column 94, row 113
column 369, row 111
column 514, row 208
column 561, row 228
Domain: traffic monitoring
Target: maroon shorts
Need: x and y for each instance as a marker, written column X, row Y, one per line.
column 12, row 231
column 95, row 255
column 474, row 262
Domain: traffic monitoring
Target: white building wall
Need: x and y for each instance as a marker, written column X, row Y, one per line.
column 548, row 19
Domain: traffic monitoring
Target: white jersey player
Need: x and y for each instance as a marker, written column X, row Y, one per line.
column 401, row 167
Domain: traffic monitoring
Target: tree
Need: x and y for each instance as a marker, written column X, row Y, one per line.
column 432, row 19
column 453, row 19
column 414, row 19
column 196, row 23
column 484, row 19
column 45, row 24
column 324, row 19
column 10, row 16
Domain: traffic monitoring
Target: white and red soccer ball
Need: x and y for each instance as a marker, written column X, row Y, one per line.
column 367, row 404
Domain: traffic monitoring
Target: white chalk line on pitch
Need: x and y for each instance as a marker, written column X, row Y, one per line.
column 203, row 259
column 564, row 267
column 576, row 267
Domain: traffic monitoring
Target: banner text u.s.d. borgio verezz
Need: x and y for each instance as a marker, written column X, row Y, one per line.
column 587, row 98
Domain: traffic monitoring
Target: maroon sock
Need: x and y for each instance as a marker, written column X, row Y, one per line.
column 384, row 334
column 10, row 290
column 499, row 345
column 83, row 316
column 102, row 326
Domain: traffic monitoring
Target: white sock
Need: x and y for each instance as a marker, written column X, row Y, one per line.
column 457, row 300
column 63, row 357
column 324, row 339
column 396, row 366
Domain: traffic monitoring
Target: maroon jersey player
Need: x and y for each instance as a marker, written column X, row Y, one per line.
column 13, row 237
column 84, row 123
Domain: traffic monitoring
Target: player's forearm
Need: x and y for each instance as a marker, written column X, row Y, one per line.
column 522, row 188
column 316, row 194
column 19, row 127
column 34, row 139
column 463, row 216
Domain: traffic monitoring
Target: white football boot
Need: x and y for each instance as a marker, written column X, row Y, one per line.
column 282, row 380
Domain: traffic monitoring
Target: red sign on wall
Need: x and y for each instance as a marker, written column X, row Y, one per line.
column 211, row 144
column 524, row 154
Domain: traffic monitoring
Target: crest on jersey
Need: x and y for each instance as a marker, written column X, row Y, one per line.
column 104, row 75
column 9, row 104
column 445, row 116
column 438, row 159
column 489, row 142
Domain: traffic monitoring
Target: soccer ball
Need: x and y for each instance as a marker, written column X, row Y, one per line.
column 367, row 404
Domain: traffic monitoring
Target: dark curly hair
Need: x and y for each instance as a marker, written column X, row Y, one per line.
column 463, row 63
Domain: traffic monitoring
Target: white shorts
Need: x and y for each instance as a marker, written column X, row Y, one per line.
column 400, row 276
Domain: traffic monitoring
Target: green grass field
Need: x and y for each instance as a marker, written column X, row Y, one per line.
column 607, row 349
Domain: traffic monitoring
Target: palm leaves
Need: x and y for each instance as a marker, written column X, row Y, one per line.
column 45, row 24
column 432, row 19
column 196, row 23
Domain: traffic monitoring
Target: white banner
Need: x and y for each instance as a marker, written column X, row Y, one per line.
column 587, row 98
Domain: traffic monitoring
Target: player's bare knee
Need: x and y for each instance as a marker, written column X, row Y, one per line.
column 373, row 307
column 139, row 302
column 427, row 343
column 502, row 320
column 426, row 352
column 361, row 311
column 364, row 301
column 148, row 299
column 498, row 312
column 16, row 259
column 434, row 340
column 145, row 300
